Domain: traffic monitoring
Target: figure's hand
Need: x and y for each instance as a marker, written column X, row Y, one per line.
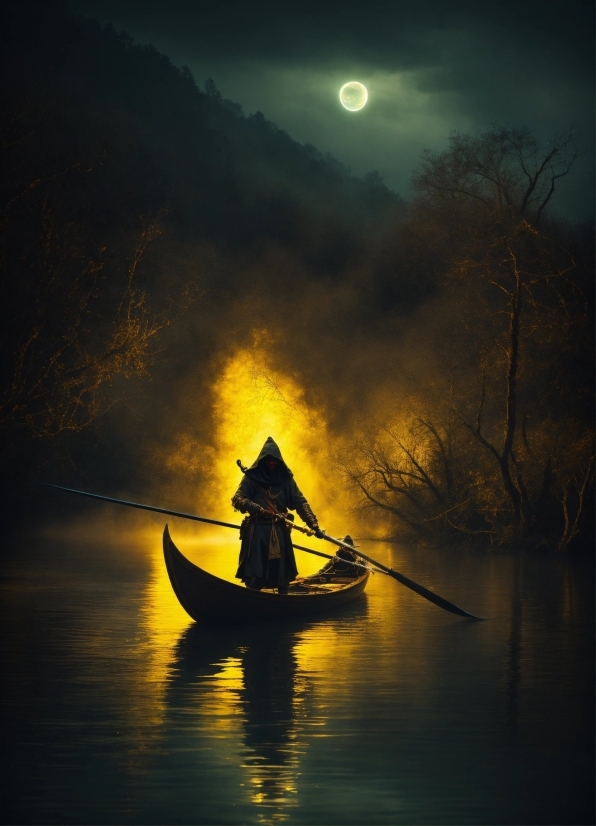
column 319, row 532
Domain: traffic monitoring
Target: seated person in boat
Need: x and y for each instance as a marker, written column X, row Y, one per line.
column 266, row 553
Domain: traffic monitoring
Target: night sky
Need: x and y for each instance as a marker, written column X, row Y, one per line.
column 430, row 68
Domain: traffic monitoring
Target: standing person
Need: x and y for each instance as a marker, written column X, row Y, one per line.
column 266, row 553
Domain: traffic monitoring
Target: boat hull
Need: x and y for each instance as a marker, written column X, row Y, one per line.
column 208, row 598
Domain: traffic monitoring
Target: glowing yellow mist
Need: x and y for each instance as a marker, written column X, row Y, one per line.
column 254, row 400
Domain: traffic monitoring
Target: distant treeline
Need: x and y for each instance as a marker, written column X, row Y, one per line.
column 148, row 225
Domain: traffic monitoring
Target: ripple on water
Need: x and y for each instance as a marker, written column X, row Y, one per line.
column 119, row 709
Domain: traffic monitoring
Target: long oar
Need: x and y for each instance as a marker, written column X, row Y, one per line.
column 409, row 583
column 414, row 586
column 176, row 513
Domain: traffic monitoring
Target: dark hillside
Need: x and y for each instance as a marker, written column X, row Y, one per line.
column 131, row 198
column 233, row 178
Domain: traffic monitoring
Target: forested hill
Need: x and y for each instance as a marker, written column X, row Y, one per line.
column 231, row 178
column 132, row 198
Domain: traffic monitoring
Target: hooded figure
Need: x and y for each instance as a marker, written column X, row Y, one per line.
column 266, row 554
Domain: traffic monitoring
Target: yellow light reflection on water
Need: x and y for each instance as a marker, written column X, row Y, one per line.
column 227, row 704
column 253, row 706
column 251, row 401
column 164, row 619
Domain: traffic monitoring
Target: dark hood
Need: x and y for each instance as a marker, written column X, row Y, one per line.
column 259, row 472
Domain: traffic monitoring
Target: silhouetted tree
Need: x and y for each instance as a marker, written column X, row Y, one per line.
column 518, row 317
column 409, row 469
column 505, row 170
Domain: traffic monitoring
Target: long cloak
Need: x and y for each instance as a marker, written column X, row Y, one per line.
column 281, row 489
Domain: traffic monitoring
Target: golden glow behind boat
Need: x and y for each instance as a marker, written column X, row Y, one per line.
column 254, row 400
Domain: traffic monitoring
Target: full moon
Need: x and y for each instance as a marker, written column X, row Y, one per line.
column 353, row 95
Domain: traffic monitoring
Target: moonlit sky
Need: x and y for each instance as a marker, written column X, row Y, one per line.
column 429, row 68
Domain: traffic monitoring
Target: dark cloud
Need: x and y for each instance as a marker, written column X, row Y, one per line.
column 430, row 68
column 384, row 32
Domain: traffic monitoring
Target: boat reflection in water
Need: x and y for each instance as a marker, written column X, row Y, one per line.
column 249, row 680
column 273, row 698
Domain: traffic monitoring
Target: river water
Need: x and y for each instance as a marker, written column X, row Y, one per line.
column 119, row 709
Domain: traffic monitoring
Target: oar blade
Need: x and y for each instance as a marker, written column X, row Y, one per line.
column 431, row 597
column 409, row 583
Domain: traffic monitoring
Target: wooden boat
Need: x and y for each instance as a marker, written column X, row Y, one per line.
column 208, row 598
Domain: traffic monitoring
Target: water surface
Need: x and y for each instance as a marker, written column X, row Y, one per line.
column 119, row 709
